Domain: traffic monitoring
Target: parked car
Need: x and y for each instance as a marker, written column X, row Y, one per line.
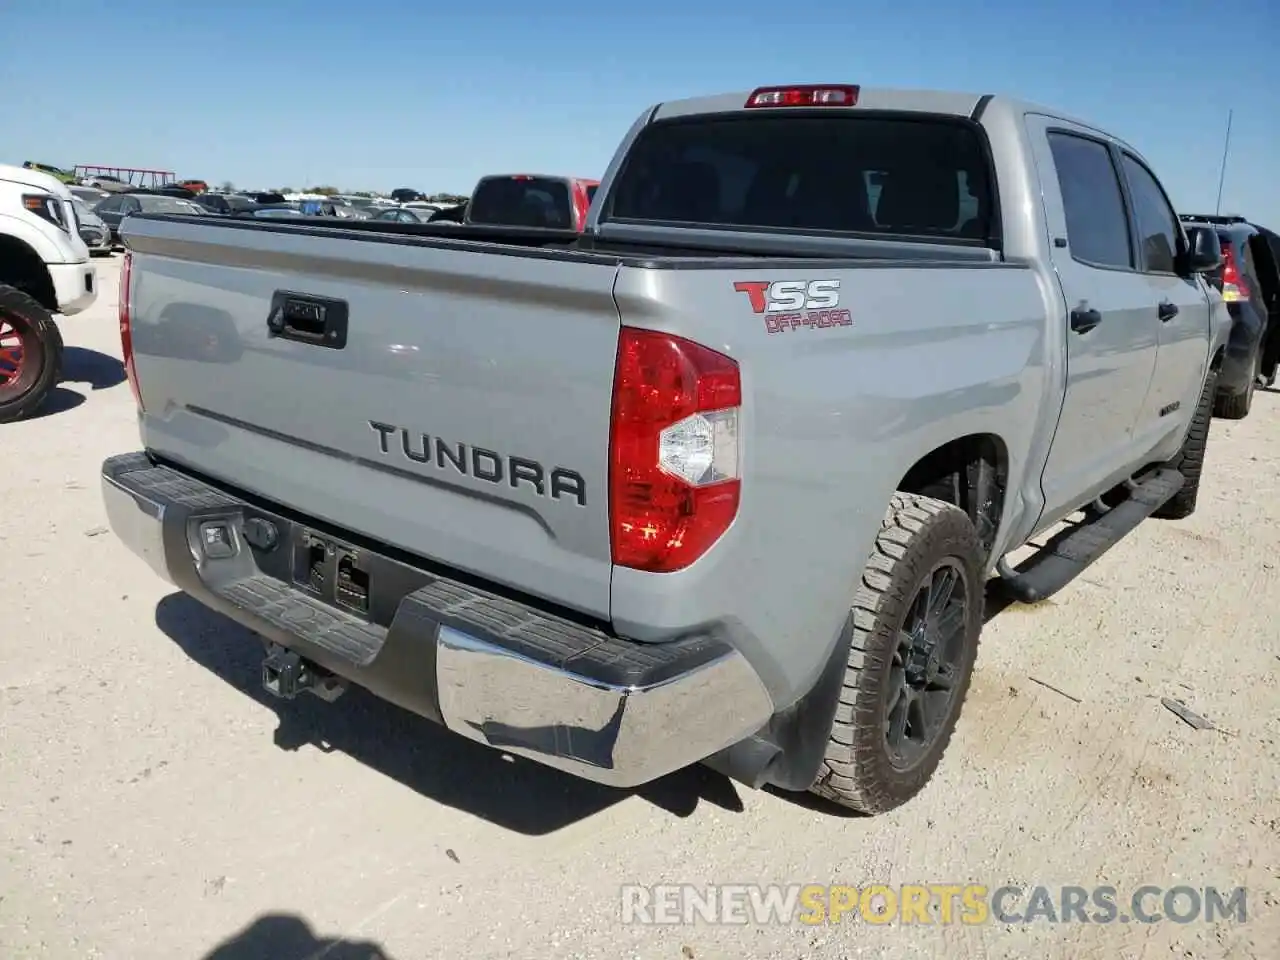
column 528, row 200
column 404, row 214
column 721, row 478
column 1249, row 282
column 63, row 176
column 167, row 190
column 93, row 230
column 225, row 203
column 194, row 186
column 316, row 207
column 456, row 214
column 107, row 182
column 405, row 194
column 272, row 211
column 344, row 209
column 90, row 195
column 115, row 209
column 44, row 271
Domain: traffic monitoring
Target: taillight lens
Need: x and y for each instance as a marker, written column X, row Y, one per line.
column 674, row 466
column 126, row 328
column 807, row 95
column 1234, row 286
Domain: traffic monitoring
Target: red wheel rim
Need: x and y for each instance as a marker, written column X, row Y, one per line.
column 12, row 353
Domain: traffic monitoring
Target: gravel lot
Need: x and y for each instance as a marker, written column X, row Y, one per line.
column 155, row 803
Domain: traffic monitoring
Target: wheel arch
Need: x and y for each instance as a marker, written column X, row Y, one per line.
column 970, row 472
column 22, row 268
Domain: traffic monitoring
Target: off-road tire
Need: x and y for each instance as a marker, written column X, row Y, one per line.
column 1237, row 406
column 917, row 533
column 1189, row 460
column 42, row 345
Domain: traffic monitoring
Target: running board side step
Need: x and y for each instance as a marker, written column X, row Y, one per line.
column 1071, row 551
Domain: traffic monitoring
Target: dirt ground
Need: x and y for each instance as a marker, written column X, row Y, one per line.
column 154, row 802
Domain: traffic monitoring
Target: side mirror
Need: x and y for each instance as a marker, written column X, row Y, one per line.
column 1204, row 250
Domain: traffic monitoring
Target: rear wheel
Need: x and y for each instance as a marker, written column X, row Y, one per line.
column 917, row 618
column 30, row 355
column 1237, row 406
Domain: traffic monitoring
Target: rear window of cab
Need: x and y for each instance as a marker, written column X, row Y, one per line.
column 916, row 178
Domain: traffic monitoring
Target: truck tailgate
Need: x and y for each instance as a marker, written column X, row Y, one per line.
column 465, row 418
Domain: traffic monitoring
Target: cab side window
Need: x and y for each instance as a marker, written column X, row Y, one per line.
column 1159, row 234
column 1097, row 225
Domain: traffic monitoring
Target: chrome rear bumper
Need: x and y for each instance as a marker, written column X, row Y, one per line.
column 496, row 670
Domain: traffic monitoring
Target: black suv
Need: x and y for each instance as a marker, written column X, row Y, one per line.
column 1249, row 281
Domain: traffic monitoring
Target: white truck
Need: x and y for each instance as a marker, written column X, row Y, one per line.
column 44, row 270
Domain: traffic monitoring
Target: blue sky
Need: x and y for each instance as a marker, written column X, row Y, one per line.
column 431, row 94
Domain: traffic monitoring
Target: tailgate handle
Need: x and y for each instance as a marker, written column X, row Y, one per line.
column 301, row 317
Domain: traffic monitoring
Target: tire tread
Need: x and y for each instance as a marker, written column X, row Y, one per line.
column 15, row 301
column 1189, row 460
column 846, row 778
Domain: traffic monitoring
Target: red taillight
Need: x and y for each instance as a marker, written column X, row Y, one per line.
column 1234, row 286
column 126, row 329
column 674, row 474
column 810, row 95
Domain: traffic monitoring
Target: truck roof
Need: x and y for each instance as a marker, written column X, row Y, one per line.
column 870, row 98
column 953, row 102
column 536, row 176
column 906, row 99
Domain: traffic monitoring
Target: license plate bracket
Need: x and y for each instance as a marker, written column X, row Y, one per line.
column 332, row 571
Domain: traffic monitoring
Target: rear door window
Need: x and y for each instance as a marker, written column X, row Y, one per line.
column 523, row 202
column 918, row 179
column 1097, row 225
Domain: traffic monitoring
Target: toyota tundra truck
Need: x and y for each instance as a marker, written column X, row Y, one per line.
column 721, row 479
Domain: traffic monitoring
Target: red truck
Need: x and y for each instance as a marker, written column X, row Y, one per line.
column 531, row 200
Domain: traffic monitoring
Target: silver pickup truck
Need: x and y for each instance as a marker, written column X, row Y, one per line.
column 723, row 478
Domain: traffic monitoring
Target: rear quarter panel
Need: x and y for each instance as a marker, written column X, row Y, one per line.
column 832, row 421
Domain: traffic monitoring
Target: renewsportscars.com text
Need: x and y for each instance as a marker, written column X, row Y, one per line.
column 925, row 904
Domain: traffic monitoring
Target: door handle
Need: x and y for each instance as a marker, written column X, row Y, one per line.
column 303, row 318
column 1167, row 311
column 1084, row 319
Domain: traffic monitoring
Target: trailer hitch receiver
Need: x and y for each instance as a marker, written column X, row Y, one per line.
column 285, row 675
